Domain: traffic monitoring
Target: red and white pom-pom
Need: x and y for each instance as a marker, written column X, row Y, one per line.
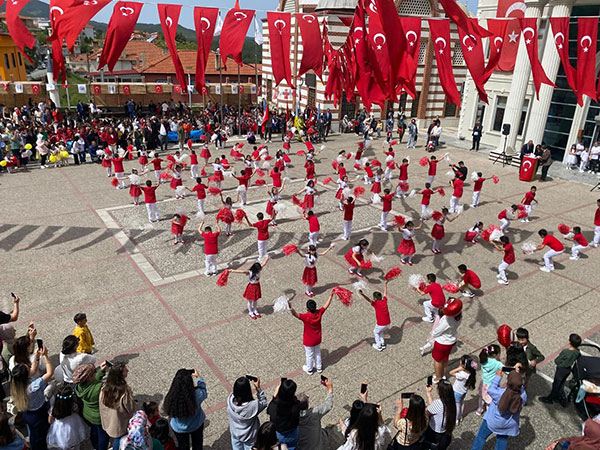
column 266, row 165
column 334, row 164
column 114, row 181
column 399, row 220
column 358, row 191
column 412, row 193
column 346, row 192
column 391, row 164
column 415, row 280
column 366, row 265
column 240, row 215
column 327, row 180
column 485, row 235
column 357, row 166
column 450, row 174
column 214, row 179
column 295, row 200
column 235, row 154
column 376, row 163
column 344, row 295
column 529, row 247
column 189, row 143
column 424, row 161
column 360, row 285
column 223, row 278
column 225, row 215
column 279, row 207
column 214, row 190
column 521, row 207
column 239, row 145
column 403, row 186
column 349, row 155
column 522, row 215
column 441, row 191
column 300, row 152
column 375, row 258
column 496, row 234
column 170, row 158
column 563, row 228
column 474, row 176
column 180, row 191
column 450, row 287
column 395, row 272
column 260, row 173
column 281, row 304
column 165, row 176
column 266, row 157
column 259, row 182
column 437, row 215
column 495, row 179
column 394, row 142
column 427, row 214
column 289, row 249
column 203, row 172
column 260, row 147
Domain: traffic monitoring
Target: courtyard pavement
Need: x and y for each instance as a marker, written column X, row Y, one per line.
column 70, row 242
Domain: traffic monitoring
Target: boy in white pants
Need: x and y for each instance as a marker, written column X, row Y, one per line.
column 382, row 315
column 555, row 248
column 579, row 243
column 596, row 240
column 211, row 248
column 348, row 209
column 507, row 260
column 150, row 200
column 200, row 190
column 313, row 227
column 311, row 338
column 387, row 207
column 262, row 225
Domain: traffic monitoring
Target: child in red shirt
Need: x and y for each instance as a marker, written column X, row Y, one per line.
column 177, row 225
column 253, row 292
column 211, row 248
column 402, row 188
column 200, row 190
column 386, row 199
column 555, row 249
column 348, row 210
column 579, row 243
column 150, row 201
column 469, row 279
column 527, row 201
column 262, row 226
column 313, row 227
column 478, row 183
column 507, row 260
column 382, row 316
column 157, row 166
column 438, row 299
column 426, row 199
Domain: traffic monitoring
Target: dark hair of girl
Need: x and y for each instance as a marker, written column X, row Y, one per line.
column 21, row 350
column 363, row 243
column 266, row 437
column 446, row 394
column 64, row 403
column 416, row 414
column 366, row 427
column 516, row 354
column 255, row 269
column 150, row 408
column 242, row 392
column 357, row 406
column 160, row 430
column 180, row 401
column 467, row 362
column 69, row 345
column 115, row 386
column 490, row 350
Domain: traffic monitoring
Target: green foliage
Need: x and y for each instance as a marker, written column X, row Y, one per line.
column 73, row 80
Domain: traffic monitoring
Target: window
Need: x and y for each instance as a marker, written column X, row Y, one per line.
column 6, row 63
column 480, row 112
column 348, row 108
column 13, row 60
column 20, row 59
column 499, row 113
column 414, row 8
column 312, row 96
column 457, row 55
column 414, row 109
column 523, row 117
column 422, row 50
column 450, row 109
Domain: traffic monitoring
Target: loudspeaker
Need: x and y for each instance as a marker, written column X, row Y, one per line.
column 506, row 129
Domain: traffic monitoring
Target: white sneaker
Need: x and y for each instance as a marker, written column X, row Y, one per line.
column 574, row 258
column 307, row 370
column 377, row 347
column 422, row 351
column 505, row 282
column 427, row 319
column 545, row 269
column 498, row 276
column 594, row 245
column 522, row 220
column 468, row 294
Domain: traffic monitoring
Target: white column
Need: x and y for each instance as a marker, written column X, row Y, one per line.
column 550, row 63
column 520, row 81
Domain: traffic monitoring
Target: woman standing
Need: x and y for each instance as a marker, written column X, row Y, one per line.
column 88, row 383
column 444, row 336
column 502, row 417
column 116, row 402
column 442, row 415
column 284, row 412
column 183, row 404
column 28, row 396
column 410, row 423
column 243, row 412
column 369, row 432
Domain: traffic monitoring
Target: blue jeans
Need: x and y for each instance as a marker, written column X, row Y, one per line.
column 290, row 438
column 239, row 445
column 98, row 437
column 484, row 433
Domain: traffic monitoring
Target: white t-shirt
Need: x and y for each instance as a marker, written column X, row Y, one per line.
column 595, row 152
column 437, row 420
column 460, row 384
column 380, row 439
column 68, row 364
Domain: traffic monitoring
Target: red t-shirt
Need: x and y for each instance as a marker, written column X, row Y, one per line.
column 156, row 163
column 276, row 178
column 149, row 193
column 458, row 188
column 502, row 214
column 312, row 327
column 193, row 158
column 382, row 313
column 403, row 172
column 426, row 193
column 370, row 173
column 580, row 239
column 200, row 190
column 243, row 180
column 387, row 202
column 597, row 218
column 211, row 243
column 553, row 243
column 263, row 229
column 472, row 279
column 478, row 184
column 118, row 164
column 348, row 211
column 529, row 196
column 313, row 223
column 341, row 172
column 509, row 253
column 432, row 167
column 438, row 299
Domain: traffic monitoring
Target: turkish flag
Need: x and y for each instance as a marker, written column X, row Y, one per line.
column 241, row 88
column 158, row 89
column 16, row 28
column 57, row 7
column 169, row 18
column 379, row 56
column 462, row 21
column 473, row 54
column 394, row 37
column 205, row 20
column 440, row 34
column 587, row 33
column 121, row 25
column 35, row 88
column 279, row 43
column 72, row 19
column 126, row 89
column 528, row 168
column 560, row 29
column 312, row 44
column 411, row 27
column 498, row 29
column 530, row 35
column 177, row 89
column 236, row 24
column 97, row 89
column 510, row 9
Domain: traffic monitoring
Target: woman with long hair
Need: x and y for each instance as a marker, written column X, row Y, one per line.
column 70, row 359
column 116, row 402
column 284, row 412
column 266, row 439
column 183, row 405
column 243, row 411
column 442, row 415
column 369, row 432
column 410, row 423
column 28, row 396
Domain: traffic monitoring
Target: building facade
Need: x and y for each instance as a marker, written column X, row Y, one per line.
column 12, row 62
column 430, row 101
column 555, row 119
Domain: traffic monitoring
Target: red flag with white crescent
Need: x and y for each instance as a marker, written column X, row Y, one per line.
column 587, row 33
column 19, row 33
column 510, row 9
column 473, row 54
column 121, row 25
column 530, row 35
column 440, row 34
column 265, row 116
column 560, row 29
column 169, row 18
column 57, row 8
column 379, row 56
column 236, row 24
column 312, row 44
column 498, row 29
column 279, row 43
column 411, row 27
column 205, row 20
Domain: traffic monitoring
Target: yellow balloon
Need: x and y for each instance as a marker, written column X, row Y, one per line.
column 3, row 163
column 64, row 154
column 53, row 158
column 28, row 147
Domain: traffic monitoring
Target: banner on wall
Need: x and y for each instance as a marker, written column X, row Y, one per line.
column 82, row 88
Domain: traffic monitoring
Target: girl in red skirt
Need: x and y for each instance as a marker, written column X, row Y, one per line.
column 177, row 225
column 248, row 166
column 253, row 292
column 176, row 181
column 309, row 276
column 355, row 257
column 286, row 141
column 134, row 186
column 376, row 188
column 342, row 184
column 273, row 193
column 473, row 233
column 106, row 162
column 205, row 154
column 218, row 175
column 437, row 232
column 228, row 218
column 309, row 195
column 407, row 246
column 310, row 170
column 143, row 160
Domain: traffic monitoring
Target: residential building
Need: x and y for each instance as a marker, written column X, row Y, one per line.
column 12, row 62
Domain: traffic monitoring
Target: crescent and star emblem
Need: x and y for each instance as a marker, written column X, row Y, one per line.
column 525, row 164
column 583, row 39
column 239, row 15
column 525, row 31
column 562, row 37
column 204, row 20
column 496, row 39
column 383, row 40
column 411, row 33
column 126, row 11
column 308, row 18
column 169, row 22
column 441, row 39
column 280, row 29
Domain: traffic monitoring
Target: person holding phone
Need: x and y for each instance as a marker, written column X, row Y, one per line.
column 411, row 423
column 442, row 415
column 284, row 412
column 14, row 315
column 243, row 410
column 312, row 435
column 369, row 431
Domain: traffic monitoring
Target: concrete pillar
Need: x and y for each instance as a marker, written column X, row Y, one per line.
column 550, row 63
column 54, row 95
column 520, row 81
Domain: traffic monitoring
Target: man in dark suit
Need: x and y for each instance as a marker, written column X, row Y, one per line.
column 477, row 132
column 527, row 149
column 327, row 118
